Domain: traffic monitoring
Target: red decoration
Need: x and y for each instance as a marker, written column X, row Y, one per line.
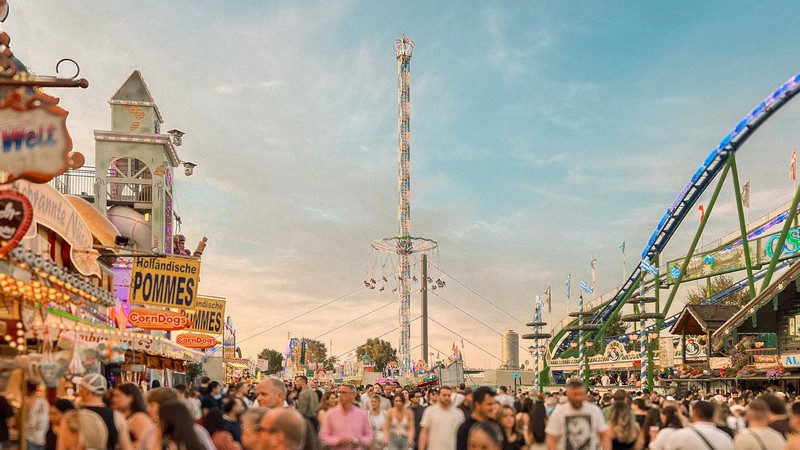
column 196, row 340
column 16, row 216
column 157, row 319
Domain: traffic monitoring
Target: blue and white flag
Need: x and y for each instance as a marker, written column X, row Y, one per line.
column 622, row 248
column 586, row 288
column 569, row 282
column 649, row 268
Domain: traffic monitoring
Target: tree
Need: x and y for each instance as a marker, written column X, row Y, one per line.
column 379, row 351
column 274, row 360
column 193, row 372
column 718, row 284
column 617, row 327
column 317, row 353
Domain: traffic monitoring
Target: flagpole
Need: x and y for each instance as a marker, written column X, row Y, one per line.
column 581, row 344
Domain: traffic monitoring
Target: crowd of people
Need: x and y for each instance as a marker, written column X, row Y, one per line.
column 302, row 414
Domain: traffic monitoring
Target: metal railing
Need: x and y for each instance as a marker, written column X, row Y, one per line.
column 78, row 182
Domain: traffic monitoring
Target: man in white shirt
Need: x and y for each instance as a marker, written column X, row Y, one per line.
column 758, row 435
column 440, row 423
column 703, row 434
column 502, row 398
column 577, row 424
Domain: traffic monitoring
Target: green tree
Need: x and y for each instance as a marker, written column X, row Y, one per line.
column 718, row 284
column 379, row 351
column 317, row 353
column 274, row 360
column 617, row 327
column 193, row 372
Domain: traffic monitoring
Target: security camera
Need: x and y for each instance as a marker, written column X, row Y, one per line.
column 188, row 168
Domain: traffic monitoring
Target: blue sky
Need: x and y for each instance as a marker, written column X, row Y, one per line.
column 542, row 133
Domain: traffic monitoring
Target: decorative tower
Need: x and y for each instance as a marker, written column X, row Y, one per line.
column 403, row 244
column 134, row 167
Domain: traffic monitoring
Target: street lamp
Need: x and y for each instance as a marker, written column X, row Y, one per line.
column 652, row 335
column 542, row 349
column 532, row 350
column 633, row 337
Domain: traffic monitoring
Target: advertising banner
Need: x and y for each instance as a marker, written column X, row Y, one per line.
column 167, row 282
column 666, row 352
column 207, row 316
column 229, row 341
column 157, row 319
column 195, row 340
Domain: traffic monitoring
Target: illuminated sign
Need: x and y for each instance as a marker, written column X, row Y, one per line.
column 164, row 281
column 157, row 319
column 16, row 216
column 196, row 340
column 35, row 142
column 207, row 316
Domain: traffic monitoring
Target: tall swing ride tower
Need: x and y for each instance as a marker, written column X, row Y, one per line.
column 404, row 245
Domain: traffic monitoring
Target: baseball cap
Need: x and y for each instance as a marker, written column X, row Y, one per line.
column 93, row 382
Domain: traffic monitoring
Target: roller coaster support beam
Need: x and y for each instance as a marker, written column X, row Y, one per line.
column 650, row 371
column 781, row 240
column 613, row 316
column 751, row 284
column 695, row 241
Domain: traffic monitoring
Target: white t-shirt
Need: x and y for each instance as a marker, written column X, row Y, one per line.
column 442, row 425
column 753, row 438
column 577, row 428
column 661, row 439
column 687, row 438
column 504, row 399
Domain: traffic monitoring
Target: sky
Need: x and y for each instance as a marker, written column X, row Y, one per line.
column 542, row 134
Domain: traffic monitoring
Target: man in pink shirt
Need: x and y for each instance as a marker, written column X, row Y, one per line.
column 346, row 427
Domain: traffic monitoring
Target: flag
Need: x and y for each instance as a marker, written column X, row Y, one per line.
column 594, row 271
column 622, row 248
column 702, row 212
column 746, row 194
column 549, row 299
column 462, row 342
column 649, row 268
column 537, row 301
column 585, row 287
column 454, row 346
column 569, row 282
column 793, row 165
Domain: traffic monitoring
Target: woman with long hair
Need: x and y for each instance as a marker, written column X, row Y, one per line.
column 81, row 429
column 514, row 438
column 399, row 426
column 524, row 415
column 328, row 401
column 128, row 399
column 176, row 427
column 670, row 421
column 624, row 428
column 220, row 436
column 377, row 419
column 650, row 427
column 537, row 422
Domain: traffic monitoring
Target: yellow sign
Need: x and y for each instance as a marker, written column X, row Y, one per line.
column 167, row 282
column 208, row 315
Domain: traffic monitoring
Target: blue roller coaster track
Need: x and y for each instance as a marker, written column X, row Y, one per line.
column 689, row 195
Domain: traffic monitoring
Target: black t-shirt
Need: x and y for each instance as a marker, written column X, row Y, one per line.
column 6, row 412
column 463, row 433
column 781, row 426
column 107, row 414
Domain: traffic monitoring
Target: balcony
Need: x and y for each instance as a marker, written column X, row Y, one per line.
column 78, row 182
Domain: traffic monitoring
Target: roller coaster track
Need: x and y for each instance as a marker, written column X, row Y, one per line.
column 683, row 205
